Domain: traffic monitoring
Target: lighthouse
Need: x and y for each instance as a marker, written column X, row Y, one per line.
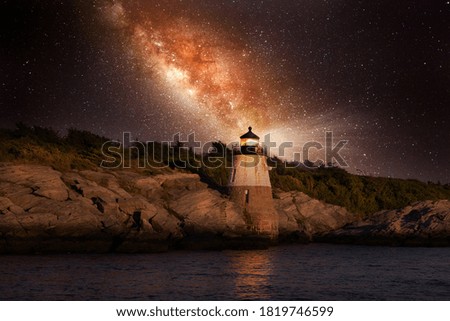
column 250, row 186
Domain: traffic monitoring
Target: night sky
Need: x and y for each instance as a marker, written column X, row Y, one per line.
column 375, row 73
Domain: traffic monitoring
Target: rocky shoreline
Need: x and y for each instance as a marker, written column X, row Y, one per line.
column 46, row 211
column 420, row 224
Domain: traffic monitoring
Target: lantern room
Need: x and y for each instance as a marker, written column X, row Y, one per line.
column 249, row 143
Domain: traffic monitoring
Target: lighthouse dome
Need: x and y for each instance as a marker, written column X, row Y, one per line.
column 250, row 134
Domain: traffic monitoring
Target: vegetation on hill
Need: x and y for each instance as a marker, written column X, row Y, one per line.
column 83, row 150
column 38, row 145
column 359, row 194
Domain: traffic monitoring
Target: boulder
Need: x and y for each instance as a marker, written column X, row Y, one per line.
column 425, row 223
column 42, row 180
column 304, row 217
column 150, row 188
column 5, row 204
column 201, row 209
column 108, row 180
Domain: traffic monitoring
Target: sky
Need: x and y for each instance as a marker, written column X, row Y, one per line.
column 374, row 73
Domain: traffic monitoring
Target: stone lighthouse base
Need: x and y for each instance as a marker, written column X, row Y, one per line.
column 258, row 209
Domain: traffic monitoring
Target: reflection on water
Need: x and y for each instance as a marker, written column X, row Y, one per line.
column 252, row 271
column 297, row 272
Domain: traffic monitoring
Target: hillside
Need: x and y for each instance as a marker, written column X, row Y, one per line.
column 82, row 150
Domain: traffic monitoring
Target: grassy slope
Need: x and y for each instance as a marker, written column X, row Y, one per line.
column 359, row 194
column 36, row 145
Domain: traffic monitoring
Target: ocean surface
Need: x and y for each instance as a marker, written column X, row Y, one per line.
column 289, row 272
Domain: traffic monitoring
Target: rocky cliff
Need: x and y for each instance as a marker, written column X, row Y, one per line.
column 43, row 210
column 420, row 224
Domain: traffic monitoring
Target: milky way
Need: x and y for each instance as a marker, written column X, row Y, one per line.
column 201, row 72
column 374, row 73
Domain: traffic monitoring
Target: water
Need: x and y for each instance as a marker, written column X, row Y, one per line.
column 293, row 272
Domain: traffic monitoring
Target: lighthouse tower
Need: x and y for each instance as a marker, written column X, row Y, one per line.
column 250, row 186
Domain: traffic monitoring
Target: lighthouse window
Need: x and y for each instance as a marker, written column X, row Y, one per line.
column 234, row 175
column 247, row 196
